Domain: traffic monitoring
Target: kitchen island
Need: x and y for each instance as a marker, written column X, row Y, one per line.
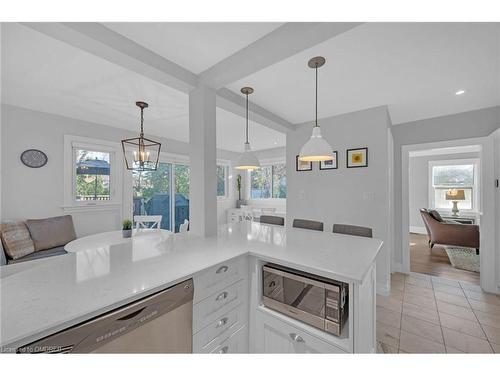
column 56, row 293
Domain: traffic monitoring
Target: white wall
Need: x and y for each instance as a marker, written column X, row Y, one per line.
column 358, row 196
column 473, row 124
column 38, row 193
column 419, row 183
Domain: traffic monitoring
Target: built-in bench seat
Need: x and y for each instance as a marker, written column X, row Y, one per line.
column 28, row 240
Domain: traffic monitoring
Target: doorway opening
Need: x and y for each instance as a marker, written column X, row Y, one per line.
column 444, row 200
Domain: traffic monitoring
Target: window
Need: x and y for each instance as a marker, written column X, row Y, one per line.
column 222, row 181
column 279, row 180
column 268, row 182
column 91, row 173
column 454, row 174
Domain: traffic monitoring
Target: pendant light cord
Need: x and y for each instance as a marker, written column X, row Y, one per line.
column 316, row 123
column 246, row 131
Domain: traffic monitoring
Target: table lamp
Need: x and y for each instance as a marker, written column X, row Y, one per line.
column 455, row 195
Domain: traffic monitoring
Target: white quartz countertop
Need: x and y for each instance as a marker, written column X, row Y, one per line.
column 42, row 297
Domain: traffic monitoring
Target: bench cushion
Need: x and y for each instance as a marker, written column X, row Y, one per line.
column 40, row 254
column 51, row 232
column 16, row 240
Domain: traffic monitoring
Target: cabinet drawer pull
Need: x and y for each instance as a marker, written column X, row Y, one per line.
column 221, row 322
column 296, row 337
column 221, row 296
column 222, row 269
column 224, row 350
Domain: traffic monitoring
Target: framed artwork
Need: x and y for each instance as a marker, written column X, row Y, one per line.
column 357, row 157
column 330, row 164
column 302, row 166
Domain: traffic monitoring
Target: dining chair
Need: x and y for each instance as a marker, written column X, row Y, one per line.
column 353, row 230
column 144, row 221
column 308, row 224
column 268, row 219
column 183, row 228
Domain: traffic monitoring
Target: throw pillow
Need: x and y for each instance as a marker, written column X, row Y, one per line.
column 436, row 215
column 51, row 232
column 16, row 240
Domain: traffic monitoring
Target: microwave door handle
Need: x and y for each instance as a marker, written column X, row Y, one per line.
column 292, row 276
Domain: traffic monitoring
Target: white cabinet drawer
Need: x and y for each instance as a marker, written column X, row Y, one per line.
column 236, row 343
column 276, row 336
column 229, row 322
column 207, row 310
column 218, row 277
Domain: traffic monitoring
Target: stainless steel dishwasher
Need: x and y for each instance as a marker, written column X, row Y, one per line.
column 159, row 323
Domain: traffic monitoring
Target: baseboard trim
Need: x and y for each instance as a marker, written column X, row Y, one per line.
column 396, row 267
column 383, row 289
column 418, row 230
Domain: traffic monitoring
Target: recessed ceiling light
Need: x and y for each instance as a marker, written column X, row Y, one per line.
column 275, row 142
column 460, row 92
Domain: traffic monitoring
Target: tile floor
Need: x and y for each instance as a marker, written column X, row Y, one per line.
column 428, row 314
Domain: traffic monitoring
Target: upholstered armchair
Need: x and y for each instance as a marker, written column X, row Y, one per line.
column 450, row 233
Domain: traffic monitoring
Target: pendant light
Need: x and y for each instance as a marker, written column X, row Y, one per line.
column 247, row 160
column 141, row 154
column 316, row 148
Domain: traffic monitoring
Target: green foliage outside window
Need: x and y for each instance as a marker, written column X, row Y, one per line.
column 268, row 182
column 221, row 181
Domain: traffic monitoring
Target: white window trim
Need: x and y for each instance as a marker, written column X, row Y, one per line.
column 116, row 172
column 227, row 176
column 167, row 157
column 265, row 163
column 475, row 188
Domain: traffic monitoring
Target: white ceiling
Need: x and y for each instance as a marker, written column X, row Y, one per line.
column 44, row 74
column 231, row 133
column 194, row 46
column 415, row 68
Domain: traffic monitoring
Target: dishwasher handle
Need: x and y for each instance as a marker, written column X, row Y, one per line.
column 131, row 315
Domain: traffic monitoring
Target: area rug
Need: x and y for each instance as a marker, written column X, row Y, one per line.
column 463, row 258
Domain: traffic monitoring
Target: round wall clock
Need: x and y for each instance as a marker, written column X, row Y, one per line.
column 34, row 158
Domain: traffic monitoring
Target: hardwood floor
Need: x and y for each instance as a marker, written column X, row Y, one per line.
column 435, row 263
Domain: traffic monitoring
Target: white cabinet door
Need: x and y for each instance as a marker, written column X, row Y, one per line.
column 276, row 336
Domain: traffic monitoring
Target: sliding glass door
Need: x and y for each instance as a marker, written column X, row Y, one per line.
column 181, row 186
column 163, row 192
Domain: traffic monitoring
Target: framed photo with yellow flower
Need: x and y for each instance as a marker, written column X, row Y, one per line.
column 357, row 157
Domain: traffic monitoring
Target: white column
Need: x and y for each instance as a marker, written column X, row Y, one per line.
column 202, row 162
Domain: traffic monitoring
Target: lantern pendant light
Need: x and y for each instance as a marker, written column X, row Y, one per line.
column 141, row 154
column 316, row 148
column 247, row 160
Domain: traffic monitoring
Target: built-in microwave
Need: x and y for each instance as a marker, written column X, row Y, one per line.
column 318, row 301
